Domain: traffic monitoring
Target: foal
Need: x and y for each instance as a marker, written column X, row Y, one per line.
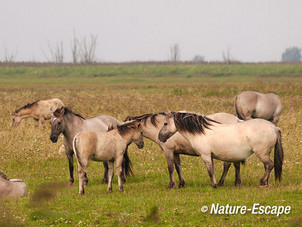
column 107, row 146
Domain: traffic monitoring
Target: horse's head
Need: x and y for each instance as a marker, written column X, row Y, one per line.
column 16, row 120
column 57, row 124
column 168, row 128
column 138, row 136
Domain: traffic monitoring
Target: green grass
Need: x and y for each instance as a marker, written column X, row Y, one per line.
column 120, row 90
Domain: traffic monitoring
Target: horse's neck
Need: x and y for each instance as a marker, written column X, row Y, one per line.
column 24, row 113
column 150, row 132
column 72, row 127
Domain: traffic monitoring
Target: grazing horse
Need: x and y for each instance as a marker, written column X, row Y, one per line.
column 70, row 124
column 177, row 144
column 228, row 142
column 251, row 104
column 107, row 146
column 40, row 110
column 11, row 187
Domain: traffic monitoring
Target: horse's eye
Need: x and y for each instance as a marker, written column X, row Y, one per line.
column 165, row 123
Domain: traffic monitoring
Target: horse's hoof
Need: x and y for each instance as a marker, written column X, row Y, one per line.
column 104, row 181
column 82, row 192
column 237, row 183
column 220, row 184
column 214, row 186
column 182, row 185
column 170, row 186
column 109, row 190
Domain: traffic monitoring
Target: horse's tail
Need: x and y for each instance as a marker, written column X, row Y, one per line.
column 75, row 149
column 239, row 115
column 127, row 164
column 278, row 156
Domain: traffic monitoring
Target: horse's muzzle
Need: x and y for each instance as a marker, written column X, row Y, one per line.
column 53, row 139
column 162, row 138
column 140, row 145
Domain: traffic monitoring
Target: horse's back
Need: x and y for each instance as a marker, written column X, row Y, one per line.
column 99, row 123
column 224, row 118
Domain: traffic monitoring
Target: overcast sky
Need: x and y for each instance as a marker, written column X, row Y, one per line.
column 143, row 30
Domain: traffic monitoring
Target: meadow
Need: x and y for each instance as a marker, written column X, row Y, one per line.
column 120, row 90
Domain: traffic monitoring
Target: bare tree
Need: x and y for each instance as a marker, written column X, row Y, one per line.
column 56, row 53
column 88, row 47
column 175, row 52
column 9, row 57
column 227, row 57
column 75, row 48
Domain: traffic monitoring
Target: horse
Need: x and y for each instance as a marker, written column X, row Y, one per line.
column 11, row 187
column 107, row 146
column 228, row 142
column 251, row 104
column 177, row 144
column 40, row 110
column 70, row 124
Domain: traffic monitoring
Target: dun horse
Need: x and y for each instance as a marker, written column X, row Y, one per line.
column 11, row 187
column 40, row 110
column 228, row 142
column 177, row 144
column 250, row 104
column 107, row 146
column 70, row 124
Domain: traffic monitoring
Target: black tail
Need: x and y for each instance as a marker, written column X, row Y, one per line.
column 127, row 164
column 278, row 156
column 237, row 111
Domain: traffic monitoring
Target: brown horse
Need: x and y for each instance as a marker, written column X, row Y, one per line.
column 107, row 146
column 11, row 187
column 251, row 104
column 40, row 110
column 177, row 144
column 70, row 124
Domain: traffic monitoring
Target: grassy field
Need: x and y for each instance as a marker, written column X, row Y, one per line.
column 132, row 89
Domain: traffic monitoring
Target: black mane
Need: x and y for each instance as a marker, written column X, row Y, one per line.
column 67, row 113
column 28, row 105
column 143, row 118
column 124, row 128
column 191, row 122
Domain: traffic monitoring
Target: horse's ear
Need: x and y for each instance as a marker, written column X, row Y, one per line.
column 128, row 118
column 59, row 112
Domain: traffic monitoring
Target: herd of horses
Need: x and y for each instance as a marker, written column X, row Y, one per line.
column 219, row 136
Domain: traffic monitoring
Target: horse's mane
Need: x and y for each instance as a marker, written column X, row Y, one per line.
column 28, row 105
column 143, row 118
column 67, row 113
column 3, row 175
column 191, row 122
column 126, row 127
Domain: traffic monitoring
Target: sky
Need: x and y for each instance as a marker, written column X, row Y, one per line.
column 144, row 30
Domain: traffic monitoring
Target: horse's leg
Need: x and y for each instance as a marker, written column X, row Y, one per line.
column 36, row 122
column 170, row 161
column 119, row 171
column 237, row 173
column 82, row 169
column 226, row 166
column 105, row 178
column 70, row 163
column 268, row 165
column 208, row 160
column 42, row 121
column 179, row 171
column 123, row 176
column 110, row 175
column 275, row 120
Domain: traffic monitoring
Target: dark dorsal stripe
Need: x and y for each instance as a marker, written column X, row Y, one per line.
column 192, row 123
column 27, row 106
